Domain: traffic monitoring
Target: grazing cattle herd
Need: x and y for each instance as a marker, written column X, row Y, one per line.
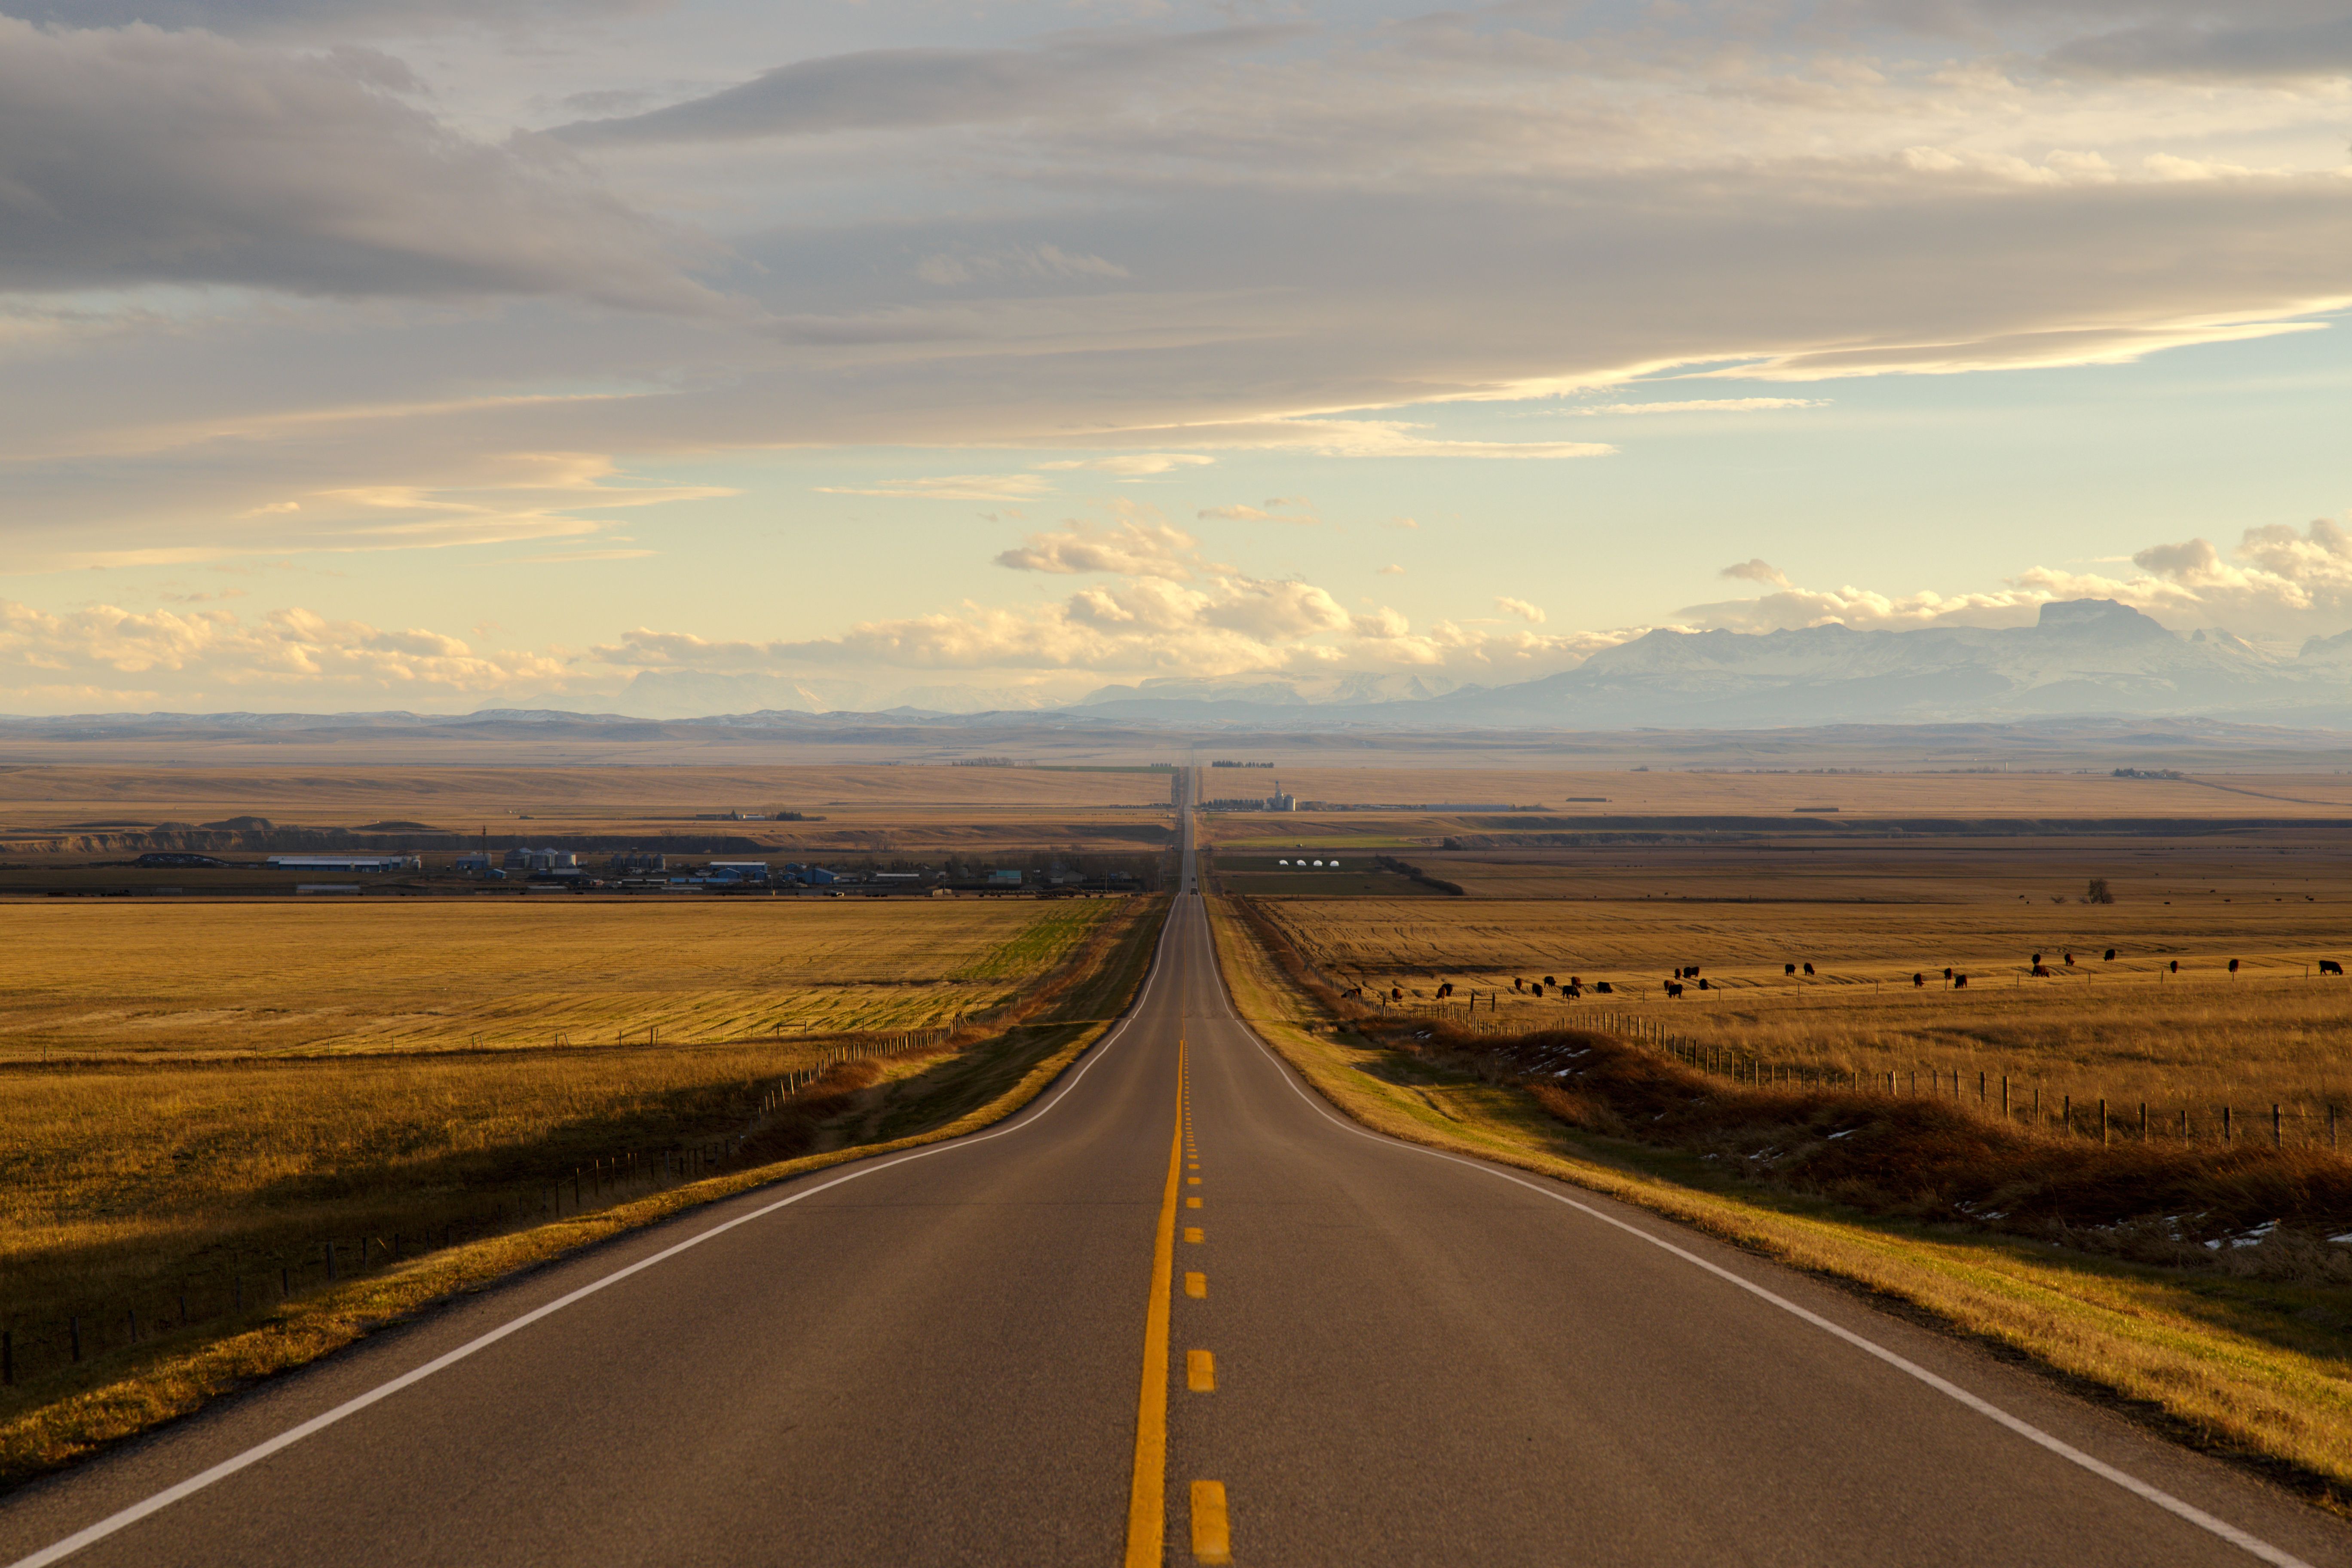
column 1687, row 976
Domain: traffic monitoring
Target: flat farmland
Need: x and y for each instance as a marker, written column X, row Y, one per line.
column 48, row 811
column 1576, row 793
column 1870, row 917
column 208, row 1107
column 149, row 980
column 53, row 795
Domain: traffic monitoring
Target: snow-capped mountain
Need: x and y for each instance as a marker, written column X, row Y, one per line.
column 2083, row 655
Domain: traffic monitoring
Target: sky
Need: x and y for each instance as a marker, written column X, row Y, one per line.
column 708, row 356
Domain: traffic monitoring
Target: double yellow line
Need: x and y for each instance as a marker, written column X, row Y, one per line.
column 1147, row 1500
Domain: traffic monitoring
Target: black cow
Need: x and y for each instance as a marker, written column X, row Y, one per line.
column 1809, row 968
column 2070, row 961
column 1948, row 974
column 1536, row 986
column 1701, row 985
column 1604, row 988
column 1550, row 981
column 1960, row 981
column 1518, row 984
column 1673, row 989
column 2176, row 966
column 2042, row 970
column 2233, row 966
column 2111, row 956
column 1788, row 968
column 1919, row 979
column 1445, row 991
column 2329, row 966
column 2037, row 960
column 1396, row 993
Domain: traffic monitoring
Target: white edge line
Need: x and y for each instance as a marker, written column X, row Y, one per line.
column 125, row 1518
column 2251, row 1543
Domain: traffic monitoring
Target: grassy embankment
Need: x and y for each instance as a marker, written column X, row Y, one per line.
column 132, row 1187
column 2253, row 1367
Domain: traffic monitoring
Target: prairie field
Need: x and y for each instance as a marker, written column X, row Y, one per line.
column 1575, row 792
column 49, row 814
column 206, row 1104
column 1870, row 919
column 459, row 797
column 267, row 979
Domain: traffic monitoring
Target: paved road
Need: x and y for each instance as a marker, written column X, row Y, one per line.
column 942, row 1359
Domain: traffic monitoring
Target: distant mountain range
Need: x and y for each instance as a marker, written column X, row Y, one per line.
column 2084, row 657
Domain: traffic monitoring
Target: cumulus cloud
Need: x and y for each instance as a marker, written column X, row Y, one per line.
column 1520, row 608
column 108, row 653
column 2278, row 581
column 1129, row 547
column 1167, row 612
column 131, row 156
column 1755, row 569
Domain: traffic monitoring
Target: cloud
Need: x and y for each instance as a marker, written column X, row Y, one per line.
column 1705, row 405
column 1130, row 547
column 1520, row 608
column 1134, row 464
column 1277, row 508
column 2222, row 48
column 1040, row 263
column 1391, row 570
column 1166, row 612
column 920, row 88
column 950, row 486
column 105, row 650
column 2278, row 581
column 1756, row 570
column 334, row 19
column 131, row 156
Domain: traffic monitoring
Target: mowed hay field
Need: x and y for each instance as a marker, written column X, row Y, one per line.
column 1869, row 919
column 231, row 1091
column 91, row 980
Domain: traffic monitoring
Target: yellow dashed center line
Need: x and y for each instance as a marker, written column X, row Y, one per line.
column 1191, row 1202
column 1201, row 1372
column 1196, row 1285
column 1193, row 1234
column 1213, row 1539
column 1147, row 1497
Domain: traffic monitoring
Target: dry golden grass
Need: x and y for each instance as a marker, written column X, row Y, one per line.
column 1869, row 919
column 280, row 978
column 2251, row 1367
column 163, row 1180
column 395, row 1143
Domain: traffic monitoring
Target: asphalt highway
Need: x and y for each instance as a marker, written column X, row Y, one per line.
column 1176, row 1310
